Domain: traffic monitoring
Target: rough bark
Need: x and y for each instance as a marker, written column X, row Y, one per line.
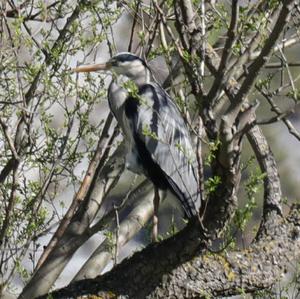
column 156, row 272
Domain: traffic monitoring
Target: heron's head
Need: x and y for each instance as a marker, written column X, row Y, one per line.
column 125, row 64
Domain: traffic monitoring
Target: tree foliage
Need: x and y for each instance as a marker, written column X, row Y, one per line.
column 62, row 154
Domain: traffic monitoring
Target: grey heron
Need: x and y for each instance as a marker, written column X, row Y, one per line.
column 158, row 141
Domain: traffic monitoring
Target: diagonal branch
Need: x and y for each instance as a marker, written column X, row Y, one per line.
column 231, row 37
column 81, row 194
column 279, row 114
column 128, row 227
column 255, row 67
column 76, row 232
column 152, row 273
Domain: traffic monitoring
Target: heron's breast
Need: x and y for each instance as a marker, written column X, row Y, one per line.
column 116, row 98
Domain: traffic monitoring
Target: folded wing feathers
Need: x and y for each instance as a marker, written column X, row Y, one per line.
column 169, row 143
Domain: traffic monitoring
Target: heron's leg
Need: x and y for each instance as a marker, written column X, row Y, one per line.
column 155, row 215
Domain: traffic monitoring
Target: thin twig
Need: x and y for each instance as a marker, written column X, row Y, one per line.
column 9, row 139
column 137, row 6
column 279, row 113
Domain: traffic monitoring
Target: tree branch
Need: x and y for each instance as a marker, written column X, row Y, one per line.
column 152, row 273
column 82, row 192
column 129, row 226
column 76, row 233
column 255, row 67
column 231, row 37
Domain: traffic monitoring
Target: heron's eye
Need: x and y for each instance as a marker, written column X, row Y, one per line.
column 114, row 62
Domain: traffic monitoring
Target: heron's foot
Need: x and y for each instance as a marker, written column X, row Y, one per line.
column 204, row 230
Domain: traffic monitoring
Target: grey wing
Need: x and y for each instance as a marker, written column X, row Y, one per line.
column 160, row 126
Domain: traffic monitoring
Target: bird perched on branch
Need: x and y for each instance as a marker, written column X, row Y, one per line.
column 158, row 142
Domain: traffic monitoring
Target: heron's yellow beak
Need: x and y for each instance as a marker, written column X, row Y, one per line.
column 92, row 68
